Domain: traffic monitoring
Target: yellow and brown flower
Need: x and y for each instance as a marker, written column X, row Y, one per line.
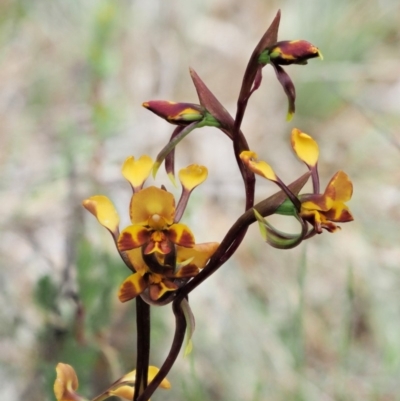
column 161, row 251
column 189, row 261
column 152, row 212
column 324, row 210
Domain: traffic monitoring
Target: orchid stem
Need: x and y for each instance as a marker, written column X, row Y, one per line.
column 143, row 346
column 180, row 329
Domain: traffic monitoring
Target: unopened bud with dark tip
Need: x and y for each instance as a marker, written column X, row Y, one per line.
column 289, row 52
column 176, row 113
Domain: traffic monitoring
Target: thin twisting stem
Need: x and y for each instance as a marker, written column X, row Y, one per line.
column 235, row 235
column 143, row 346
column 180, row 327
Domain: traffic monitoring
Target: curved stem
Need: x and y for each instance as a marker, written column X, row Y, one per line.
column 180, row 328
column 235, row 235
column 143, row 346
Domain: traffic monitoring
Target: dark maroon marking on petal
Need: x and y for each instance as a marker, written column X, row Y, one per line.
column 170, row 284
column 154, row 291
column 149, row 247
column 126, row 242
column 190, row 270
column 128, row 291
column 165, row 247
column 186, row 239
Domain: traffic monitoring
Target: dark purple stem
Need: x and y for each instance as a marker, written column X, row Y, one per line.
column 180, row 327
column 143, row 346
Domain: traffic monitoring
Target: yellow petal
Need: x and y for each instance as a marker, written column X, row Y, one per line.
column 129, row 378
column 165, row 384
column 136, row 259
column 149, row 202
column 264, row 169
column 125, row 392
column 103, row 209
column 153, row 370
column 66, row 383
column 248, row 155
column 305, row 147
column 340, row 188
column 134, row 285
column 261, row 168
column 316, row 202
column 192, row 176
column 180, row 234
column 199, row 253
column 137, row 171
column 339, row 213
column 133, row 237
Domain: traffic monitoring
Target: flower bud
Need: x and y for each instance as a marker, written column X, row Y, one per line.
column 293, row 52
column 176, row 113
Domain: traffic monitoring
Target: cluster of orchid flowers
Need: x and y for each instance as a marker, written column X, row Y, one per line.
column 165, row 262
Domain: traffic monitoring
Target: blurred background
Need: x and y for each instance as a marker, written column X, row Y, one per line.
column 319, row 322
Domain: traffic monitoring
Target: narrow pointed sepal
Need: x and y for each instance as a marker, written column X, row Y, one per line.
column 190, row 326
column 170, row 158
column 220, row 115
column 172, row 179
column 172, row 144
column 289, row 89
column 286, row 208
column 279, row 239
column 270, row 205
column 252, row 75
